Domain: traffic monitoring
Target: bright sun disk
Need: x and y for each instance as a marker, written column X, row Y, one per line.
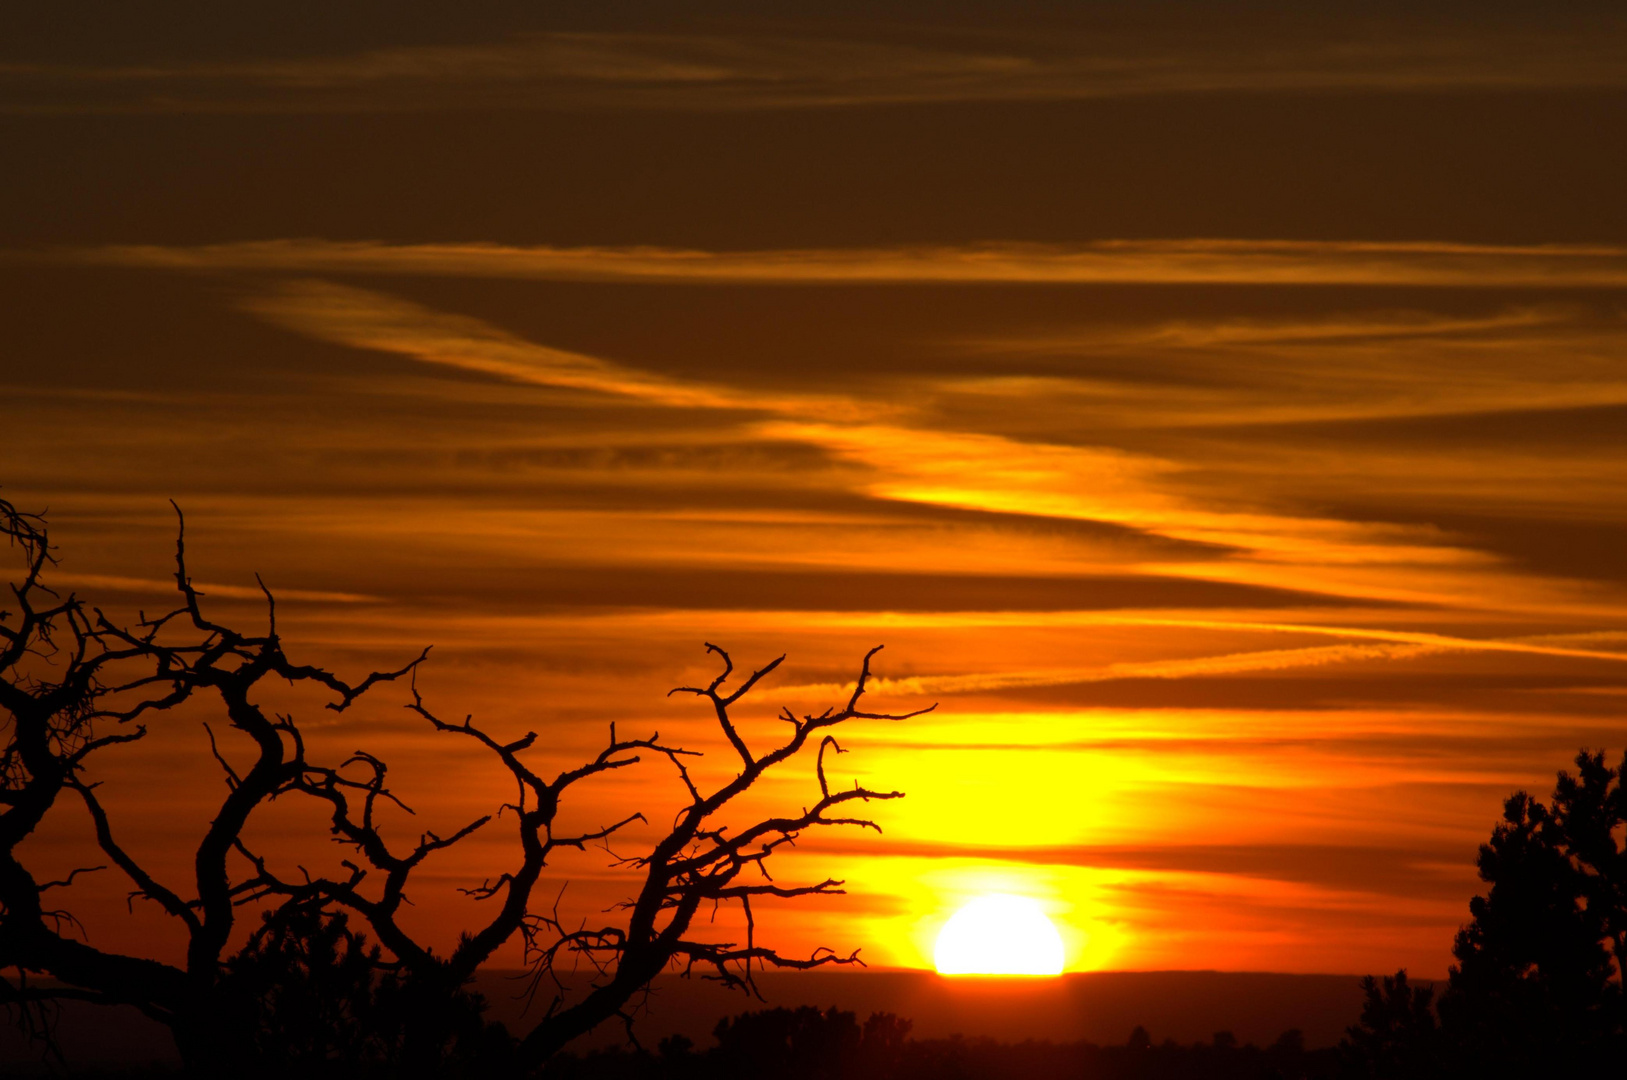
column 999, row 935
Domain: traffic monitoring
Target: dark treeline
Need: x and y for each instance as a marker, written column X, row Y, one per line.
column 807, row 1044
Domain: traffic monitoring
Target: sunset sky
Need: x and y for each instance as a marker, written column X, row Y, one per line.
column 1219, row 410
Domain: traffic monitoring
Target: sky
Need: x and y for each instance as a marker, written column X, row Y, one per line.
column 1219, row 411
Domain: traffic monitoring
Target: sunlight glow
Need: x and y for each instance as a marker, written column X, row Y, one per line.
column 999, row 935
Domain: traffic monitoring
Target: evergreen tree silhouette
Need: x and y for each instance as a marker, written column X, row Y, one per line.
column 1537, row 987
column 1537, row 984
column 1397, row 1037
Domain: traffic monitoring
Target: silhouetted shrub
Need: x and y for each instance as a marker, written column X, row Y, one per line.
column 314, row 1001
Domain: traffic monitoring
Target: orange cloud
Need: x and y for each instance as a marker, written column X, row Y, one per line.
column 1198, row 261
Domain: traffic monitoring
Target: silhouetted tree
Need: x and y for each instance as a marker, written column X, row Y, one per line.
column 1537, row 987
column 73, row 683
column 1538, row 976
column 1397, row 1037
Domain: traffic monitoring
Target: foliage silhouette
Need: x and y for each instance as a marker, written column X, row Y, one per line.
column 1537, row 987
column 1538, row 977
column 1397, row 1036
column 308, row 992
column 318, row 1001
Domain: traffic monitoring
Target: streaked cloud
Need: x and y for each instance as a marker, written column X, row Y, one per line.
column 371, row 320
column 1405, row 646
column 1356, row 868
column 1376, row 365
column 916, row 459
column 1196, row 261
column 913, row 463
column 813, row 65
column 100, row 583
column 1262, row 660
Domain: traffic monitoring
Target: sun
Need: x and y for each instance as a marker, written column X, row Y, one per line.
column 999, row 934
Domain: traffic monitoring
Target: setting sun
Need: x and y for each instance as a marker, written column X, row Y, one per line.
column 999, row 935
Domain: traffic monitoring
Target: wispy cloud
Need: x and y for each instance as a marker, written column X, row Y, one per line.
column 1399, row 645
column 1362, row 365
column 1229, row 664
column 813, row 66
column 365, row 319
column 370, row 320
column 1191, row 334
column 910, row 462
column 154, row 586
column 895, row 451
column 1195, row 261
column 1354, row 867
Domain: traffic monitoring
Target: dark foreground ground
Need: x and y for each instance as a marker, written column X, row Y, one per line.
column 1085, row 1018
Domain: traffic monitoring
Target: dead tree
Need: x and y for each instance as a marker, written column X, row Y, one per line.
column 72, row 683
column 56, row 669
column 54, row 727
column 702, row 861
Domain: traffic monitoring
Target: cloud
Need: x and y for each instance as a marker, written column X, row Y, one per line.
column 120, row 584
column 813, row 66
column 1011, row 444
column 1231, row 663
column 1189, row 334
column 1355, row 366
column 370, row 320
column 1441, row 870
column 901, row 453
column 364, row 319
column 1399, row 645
column 1191, row 261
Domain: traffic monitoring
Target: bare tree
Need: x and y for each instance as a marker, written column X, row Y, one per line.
column 55, row 724
column 73, row 683
column 55, row 668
